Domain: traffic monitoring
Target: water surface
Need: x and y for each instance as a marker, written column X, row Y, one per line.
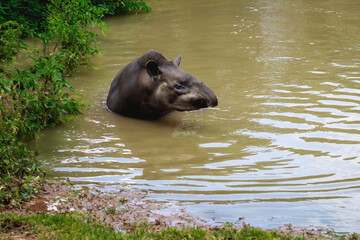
column 282, row 146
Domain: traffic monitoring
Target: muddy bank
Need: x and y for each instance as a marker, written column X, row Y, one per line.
column 124, row 208
column 118, row 209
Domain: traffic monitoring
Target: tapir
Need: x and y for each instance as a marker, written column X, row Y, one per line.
column 151, row 86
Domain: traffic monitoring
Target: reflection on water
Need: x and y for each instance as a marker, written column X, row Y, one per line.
column 282, row 146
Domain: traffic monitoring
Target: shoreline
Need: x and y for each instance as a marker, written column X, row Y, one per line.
column 123, row 208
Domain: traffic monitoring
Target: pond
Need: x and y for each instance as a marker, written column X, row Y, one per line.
column 282, row 146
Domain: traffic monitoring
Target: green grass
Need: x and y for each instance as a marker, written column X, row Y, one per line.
column 59, row 226
column 77, row 226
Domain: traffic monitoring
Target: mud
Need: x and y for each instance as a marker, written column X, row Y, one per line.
column 118, row 209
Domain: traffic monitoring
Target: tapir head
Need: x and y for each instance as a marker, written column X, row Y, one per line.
column 178, row 90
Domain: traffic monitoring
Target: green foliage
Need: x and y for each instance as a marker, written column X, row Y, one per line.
column 31, row 99
column 67, row 27
column 37, row 95
column 134, row 6
column 18, row 169
column 122, row 6
column 10, row 43
column 30, row 14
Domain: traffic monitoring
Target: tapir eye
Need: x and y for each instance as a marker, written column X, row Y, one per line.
column 179, row 86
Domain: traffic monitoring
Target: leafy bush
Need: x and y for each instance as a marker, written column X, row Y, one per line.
column 31, row 99
column 122, row 6
column 30, row 14
column 10, row 43
column 38, row 96
column 67, row 27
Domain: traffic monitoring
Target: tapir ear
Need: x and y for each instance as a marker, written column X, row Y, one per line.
column 177, row 61
column 152, row 68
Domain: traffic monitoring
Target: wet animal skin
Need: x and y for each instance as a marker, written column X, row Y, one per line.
column 152, row 86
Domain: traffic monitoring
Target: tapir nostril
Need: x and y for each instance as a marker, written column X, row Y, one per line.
column 209, row 97
column 214, row 102
column 200, row 103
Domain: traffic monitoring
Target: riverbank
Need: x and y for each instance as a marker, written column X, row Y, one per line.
column 126, row 214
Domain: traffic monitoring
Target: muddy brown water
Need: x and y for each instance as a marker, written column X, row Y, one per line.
column 283, row 145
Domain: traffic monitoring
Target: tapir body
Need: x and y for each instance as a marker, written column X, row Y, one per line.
column 152, row 86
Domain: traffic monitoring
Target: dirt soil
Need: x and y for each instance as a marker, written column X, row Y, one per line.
column 121, row 209
column 118, row 209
